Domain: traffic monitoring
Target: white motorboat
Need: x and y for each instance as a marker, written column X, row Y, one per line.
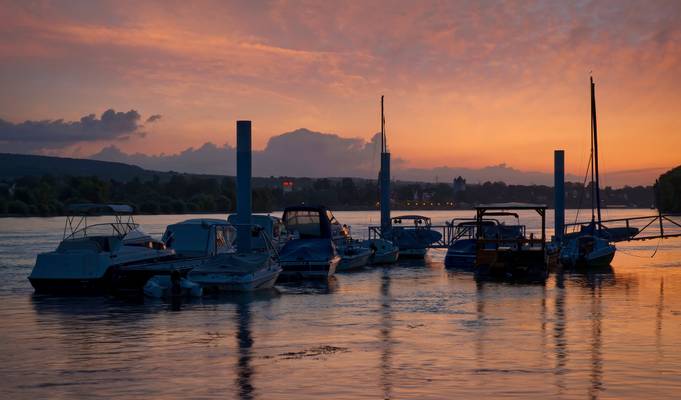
column 90, row 255
column 353, row 255
column 222, row 267
column 383, row 251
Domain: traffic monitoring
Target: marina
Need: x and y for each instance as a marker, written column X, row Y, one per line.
column 340, row 200
column 412, row 329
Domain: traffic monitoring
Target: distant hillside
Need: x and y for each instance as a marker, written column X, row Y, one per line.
column 18, row 165
column 668, row 189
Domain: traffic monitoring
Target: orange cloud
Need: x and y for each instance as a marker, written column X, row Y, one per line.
column 466, row 84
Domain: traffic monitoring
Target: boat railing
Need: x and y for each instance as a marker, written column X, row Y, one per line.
column 635, row 228
column 117, row 229
column 519, row 243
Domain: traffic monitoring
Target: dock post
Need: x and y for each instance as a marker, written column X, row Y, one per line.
column 243, row 185
column 559, row 193
column 385, row 194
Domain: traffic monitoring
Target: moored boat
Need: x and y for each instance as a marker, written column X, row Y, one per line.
column 222, row 267
column 413, row 235
column 311, row 253
column 592, row 245
column 383, row 251
column 90, row 256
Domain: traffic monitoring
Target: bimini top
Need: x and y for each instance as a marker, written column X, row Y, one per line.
column 99, row 209
column 510, row 206
column 414, row 216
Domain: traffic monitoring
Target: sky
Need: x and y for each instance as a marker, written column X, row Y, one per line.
column 467, row 84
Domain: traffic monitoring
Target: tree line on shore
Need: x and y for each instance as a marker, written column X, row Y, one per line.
column 668, row 190
column 185, row 193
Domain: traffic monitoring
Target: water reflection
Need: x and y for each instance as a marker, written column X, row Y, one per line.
column 596, row 341
column 559, row 330
column 309, row 286
column 244, row 369
column 658, row 320
column 480, row 319
column 593, row 280
column 386, row 335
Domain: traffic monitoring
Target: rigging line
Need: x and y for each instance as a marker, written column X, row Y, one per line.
column 657, row 247
column 581, row 196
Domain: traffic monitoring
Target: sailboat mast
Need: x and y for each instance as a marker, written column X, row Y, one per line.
column 384, row 144
column 594, row 126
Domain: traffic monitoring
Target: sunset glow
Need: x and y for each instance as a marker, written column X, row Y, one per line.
column 471, row 84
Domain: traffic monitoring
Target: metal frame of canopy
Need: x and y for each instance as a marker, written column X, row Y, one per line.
column 76, row 219
column 501, row 209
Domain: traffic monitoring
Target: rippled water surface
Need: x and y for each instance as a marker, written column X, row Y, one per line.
column 411, row 330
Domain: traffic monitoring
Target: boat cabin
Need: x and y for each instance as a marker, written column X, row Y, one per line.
column 273, row 227
column 510, row 252
column 200, row 237
column 313, row 222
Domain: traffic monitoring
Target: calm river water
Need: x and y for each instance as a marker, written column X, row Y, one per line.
column 411, row 330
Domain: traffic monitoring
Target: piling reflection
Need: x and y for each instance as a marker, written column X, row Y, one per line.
column 480, row 320
column 386, row 335
column 596, row 375
column 658, row 320
column 559, row 334
column 244, row 369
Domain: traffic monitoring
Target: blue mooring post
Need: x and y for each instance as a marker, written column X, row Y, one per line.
column 559, row 193
column 243, row 185
column 385, row 193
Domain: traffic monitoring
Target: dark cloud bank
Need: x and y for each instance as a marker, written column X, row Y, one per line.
column 314, row 154
column 301, row 153
column 29, row 136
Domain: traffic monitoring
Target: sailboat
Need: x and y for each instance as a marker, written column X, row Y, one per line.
column 591, row 247
column 383, row 251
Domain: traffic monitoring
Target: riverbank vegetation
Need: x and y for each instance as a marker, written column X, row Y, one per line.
column 668, row 189
column 176, row 193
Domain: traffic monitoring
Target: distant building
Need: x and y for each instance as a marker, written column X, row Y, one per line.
column 287, row 186
column 459, row 185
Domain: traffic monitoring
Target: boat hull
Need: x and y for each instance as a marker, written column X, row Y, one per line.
column 353, row 262
column 512, row 265
column 309, row 269
column 460, row 260
column 412, row 253
column 388, row 257
column 71, row 286
column 256, row 282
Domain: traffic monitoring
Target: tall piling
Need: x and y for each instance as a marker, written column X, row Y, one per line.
column 243, row 185
column 559, row 193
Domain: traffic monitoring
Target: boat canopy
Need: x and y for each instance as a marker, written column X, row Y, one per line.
column 95, row 209
column 309, row 221
column 510, row 206
column 200, row 237
column 417, row 219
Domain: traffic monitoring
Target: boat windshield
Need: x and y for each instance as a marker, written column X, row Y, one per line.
column 115, row 229
column 306, row 222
